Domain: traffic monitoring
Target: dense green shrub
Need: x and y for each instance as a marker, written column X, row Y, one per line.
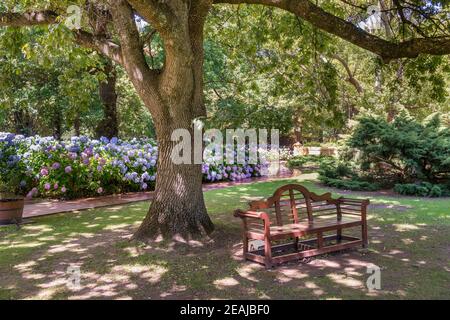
column 423, row 189
column 335, row 169
column 405, row 150
column 380, row 154
column 356, row 185
column 309, row 160
column 341, row 174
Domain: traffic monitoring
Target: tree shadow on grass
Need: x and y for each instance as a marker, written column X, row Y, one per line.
column 411, row 248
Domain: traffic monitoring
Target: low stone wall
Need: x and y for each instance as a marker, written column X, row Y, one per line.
column 315, row 151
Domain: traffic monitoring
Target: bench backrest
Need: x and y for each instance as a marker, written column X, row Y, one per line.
column 293, row 203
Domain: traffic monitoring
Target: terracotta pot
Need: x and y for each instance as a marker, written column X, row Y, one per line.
column 11, row 210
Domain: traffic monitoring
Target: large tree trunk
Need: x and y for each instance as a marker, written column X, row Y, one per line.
column 57, row 124
column 298, row 129
column 22, row 122
column 174, row 97
column 77, row 125
column 178, row 208
column 108, row 126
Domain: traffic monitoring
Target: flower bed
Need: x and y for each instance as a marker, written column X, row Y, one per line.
column 83, row 167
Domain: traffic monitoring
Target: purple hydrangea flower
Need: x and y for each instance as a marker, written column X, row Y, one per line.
column 56, row 166
column 72, row 155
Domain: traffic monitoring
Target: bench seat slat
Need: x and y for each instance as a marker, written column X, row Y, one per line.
column 317, row 225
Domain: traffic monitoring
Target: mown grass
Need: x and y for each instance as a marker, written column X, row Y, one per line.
column 409, row 241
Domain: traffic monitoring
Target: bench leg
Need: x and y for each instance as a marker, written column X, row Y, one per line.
column 296, row 243
column 245, row 245
column 319, row 240
column 339, row 235
column 364, row 234
column 267, row 253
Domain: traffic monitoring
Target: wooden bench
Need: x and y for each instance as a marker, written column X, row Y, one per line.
column 293, row 212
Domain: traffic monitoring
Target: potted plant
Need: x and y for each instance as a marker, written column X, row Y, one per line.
column 12, row 182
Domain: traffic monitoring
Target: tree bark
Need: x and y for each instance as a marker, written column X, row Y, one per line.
column 22, row 122
column 298, row 128
column 57, row 124
column 108, row 126
column 175, row 98
column 178, row 208
column 77, row 125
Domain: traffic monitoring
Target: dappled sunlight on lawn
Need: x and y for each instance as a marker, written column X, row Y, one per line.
column 405, row 227
column 410, row 247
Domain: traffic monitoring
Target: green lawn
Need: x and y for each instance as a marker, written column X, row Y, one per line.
column 409, row 241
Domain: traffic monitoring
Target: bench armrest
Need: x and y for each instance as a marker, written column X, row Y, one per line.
column 353, row 206
column 354, row 202
column 262, row 216
column 251, row 214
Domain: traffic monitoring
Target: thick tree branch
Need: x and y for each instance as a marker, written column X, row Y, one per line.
column 197, row 16
column 102, row 45
column 330, row 23
column 83, row 38
column 27, row 19
column 144, row 79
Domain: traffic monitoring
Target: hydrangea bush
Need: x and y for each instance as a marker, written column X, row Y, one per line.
column 80, row 167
